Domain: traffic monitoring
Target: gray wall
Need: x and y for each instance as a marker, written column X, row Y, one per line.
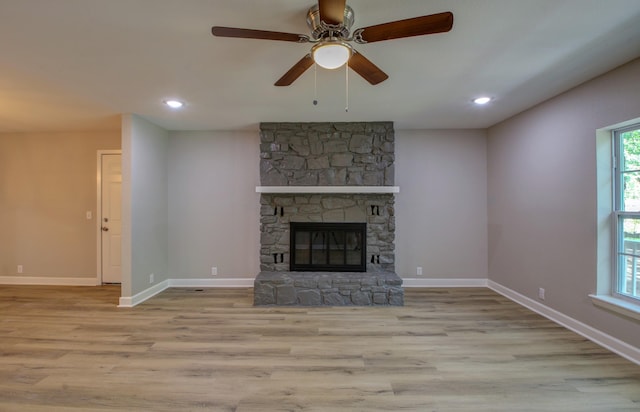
column 542, row 196
column 441, row 210
column 145, row 178
column 214, row 210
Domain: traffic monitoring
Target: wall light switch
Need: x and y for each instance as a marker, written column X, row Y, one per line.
column 89, row 215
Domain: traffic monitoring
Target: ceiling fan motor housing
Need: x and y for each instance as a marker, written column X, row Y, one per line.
column 320, row 29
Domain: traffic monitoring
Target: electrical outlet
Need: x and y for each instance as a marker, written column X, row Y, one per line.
column 151, row 278
column 20, row 268
column 541, row 293
column 419, row 271
column 214, row 271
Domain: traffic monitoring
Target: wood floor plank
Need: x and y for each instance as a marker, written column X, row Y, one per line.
column 70, row 349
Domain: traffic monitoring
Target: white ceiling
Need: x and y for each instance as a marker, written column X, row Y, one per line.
column 70, row 65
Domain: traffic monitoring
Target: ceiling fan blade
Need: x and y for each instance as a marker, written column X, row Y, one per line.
column 296, row 71
column 417, row 26
column 369, row 71
column 332, row 11
column 258, row 34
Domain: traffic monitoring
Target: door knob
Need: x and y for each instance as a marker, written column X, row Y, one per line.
column 105, row 229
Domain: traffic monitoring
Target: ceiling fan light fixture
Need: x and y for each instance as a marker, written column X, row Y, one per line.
column 331, row 54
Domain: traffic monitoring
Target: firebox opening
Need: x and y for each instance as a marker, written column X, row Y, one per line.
column 328, row 247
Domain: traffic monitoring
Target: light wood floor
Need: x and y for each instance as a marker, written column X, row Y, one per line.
column 71, row 349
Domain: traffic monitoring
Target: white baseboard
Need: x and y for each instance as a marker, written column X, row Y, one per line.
column 212, row 283
column 129, row 302
column 47, row 281
column 443, row 283
column 609, row 342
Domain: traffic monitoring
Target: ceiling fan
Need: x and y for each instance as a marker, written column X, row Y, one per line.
column 330, row 22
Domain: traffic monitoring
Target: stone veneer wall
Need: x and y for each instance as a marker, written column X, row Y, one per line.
column 327, row 154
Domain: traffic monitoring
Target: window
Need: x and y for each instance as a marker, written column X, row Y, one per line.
column 626, row 282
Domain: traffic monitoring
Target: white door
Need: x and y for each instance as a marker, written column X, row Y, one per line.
column 110, row 219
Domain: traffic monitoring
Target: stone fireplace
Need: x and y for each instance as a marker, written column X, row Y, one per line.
column 327, row 201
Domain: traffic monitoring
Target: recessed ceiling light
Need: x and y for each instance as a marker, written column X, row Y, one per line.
column 482, row 100
column 174, row 104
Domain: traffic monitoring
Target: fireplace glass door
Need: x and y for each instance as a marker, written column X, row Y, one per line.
column 328, row 247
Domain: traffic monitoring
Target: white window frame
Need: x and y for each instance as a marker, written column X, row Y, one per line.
column 619, row 214
column 606, row 294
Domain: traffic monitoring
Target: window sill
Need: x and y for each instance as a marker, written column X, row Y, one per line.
column 620, row 306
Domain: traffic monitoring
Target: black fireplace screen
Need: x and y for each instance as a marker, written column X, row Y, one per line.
column 328, row 247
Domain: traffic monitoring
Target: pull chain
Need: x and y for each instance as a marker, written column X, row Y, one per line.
column 346, row 71
column 315, row 84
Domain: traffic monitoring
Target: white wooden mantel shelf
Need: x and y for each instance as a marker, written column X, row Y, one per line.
column 328, row 189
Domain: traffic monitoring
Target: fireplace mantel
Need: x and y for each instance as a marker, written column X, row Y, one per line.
column 327, row 189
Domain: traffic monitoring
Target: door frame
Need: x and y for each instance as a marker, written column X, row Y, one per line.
column 98, row 216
